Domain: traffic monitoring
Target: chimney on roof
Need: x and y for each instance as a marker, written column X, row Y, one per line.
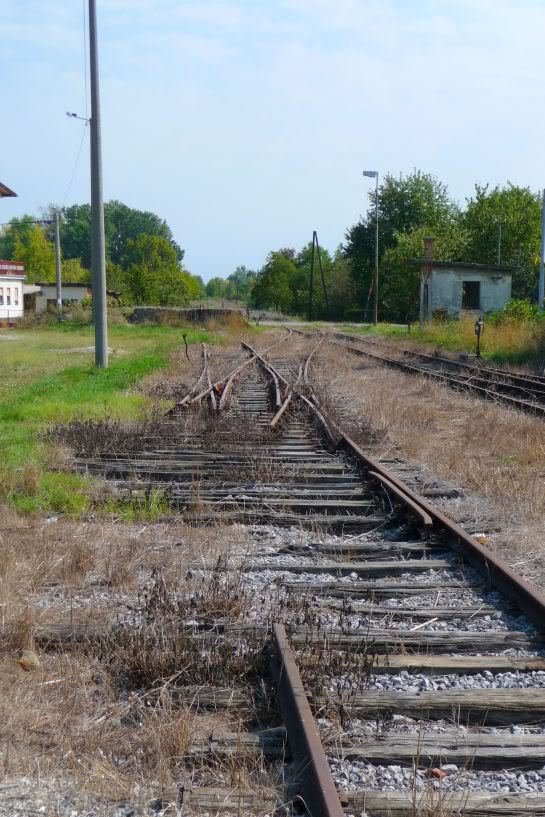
column 429, row 248
column 425, row 280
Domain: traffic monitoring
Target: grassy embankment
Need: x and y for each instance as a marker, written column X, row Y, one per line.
column 511, row 341
column 48, row 377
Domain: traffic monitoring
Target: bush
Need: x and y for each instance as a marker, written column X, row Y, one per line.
column 518, row 310
column 355, row 315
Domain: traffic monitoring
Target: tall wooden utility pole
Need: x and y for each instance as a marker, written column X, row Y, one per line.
column 98, row 245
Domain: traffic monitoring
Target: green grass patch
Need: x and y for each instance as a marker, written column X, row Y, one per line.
column 516, row 342
column 52, row 380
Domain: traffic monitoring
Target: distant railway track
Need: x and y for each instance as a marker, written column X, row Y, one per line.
column 524, row 393
column 419, row 652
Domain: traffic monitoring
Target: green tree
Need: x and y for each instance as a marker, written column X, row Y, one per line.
column 241, row 281
column 518, row 212
column 399, row 282
column 36, row 253
column 75, row 232
column 73, row 272
column 124, row 224
column 200, row 288
column 216, row 288
column 154, row 276
column 272, row 284
column 405, row 203
column 341, row 289
column 121, row 224
column 17, row 227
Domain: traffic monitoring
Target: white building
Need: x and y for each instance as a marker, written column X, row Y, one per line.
column 41, row 297
column 12, row 276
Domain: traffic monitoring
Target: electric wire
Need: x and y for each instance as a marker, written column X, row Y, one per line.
column 86, row 91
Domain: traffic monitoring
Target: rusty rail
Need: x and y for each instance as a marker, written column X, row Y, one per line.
column 217, row 386
column 315, row 781
column 492, row 567
column 397, row 490
column 281, row 411
column 454, row 382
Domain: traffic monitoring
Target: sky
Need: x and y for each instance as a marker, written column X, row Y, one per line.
column 247, row 125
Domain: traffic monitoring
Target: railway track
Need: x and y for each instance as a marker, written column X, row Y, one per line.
column 524, row 393
column 407, row 660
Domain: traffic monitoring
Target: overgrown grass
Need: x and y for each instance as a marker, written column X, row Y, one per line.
column 511, row 341
column 50, row 379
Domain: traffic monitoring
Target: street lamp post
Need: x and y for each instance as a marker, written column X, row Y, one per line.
column 541, row 284
column 373, row 174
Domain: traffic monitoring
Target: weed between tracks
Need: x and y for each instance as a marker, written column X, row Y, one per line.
column 107, row 710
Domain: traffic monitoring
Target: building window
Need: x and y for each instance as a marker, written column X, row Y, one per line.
column 1, row 296
column 16, row 296
column 8, row 296
column 471, row 295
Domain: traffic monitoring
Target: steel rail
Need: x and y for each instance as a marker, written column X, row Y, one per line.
column 314, row 781
column 425, row 518
column 464, row 386
column 275, row 373
column 497, row 378
column 188, row 400
column 281, row 411
column 492, row 567
column 494, row 371
column 521, row 381
column 302, row 375
column 309, row 358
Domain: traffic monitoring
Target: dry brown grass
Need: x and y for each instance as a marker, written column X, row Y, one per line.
column 75, row 719
column 494, row 453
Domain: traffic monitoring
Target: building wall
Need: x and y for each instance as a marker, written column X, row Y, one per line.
column 49, row 293
column 446, row 289
column 11, row 298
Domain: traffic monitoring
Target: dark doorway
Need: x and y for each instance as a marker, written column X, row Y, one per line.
column 471, row 295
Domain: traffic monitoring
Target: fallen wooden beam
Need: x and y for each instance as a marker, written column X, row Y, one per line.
column 490, row 706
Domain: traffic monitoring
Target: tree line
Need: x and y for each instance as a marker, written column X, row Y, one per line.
column 496, row 224
column 144, row 264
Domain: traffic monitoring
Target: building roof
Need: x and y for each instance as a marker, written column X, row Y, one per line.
column 64, row 284
column 12, row 268
column 30, row 289
column 5, row 191
column 436, row 264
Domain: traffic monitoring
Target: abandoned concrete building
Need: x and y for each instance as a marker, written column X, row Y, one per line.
column 453, row 287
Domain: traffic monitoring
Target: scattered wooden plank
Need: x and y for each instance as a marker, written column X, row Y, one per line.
column 212, row 698
column 477, row 750
column 433, row 802
column 482, row 706
column 364, row 608
column 215, row 800
column 382, row 641
column 372, row 568
column 457, row 664
column 443, row 664
column 271, row 743
column 377, row 590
